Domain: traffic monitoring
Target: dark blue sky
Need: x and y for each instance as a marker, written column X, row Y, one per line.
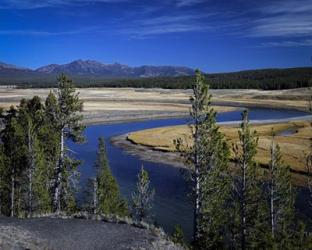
column 213, row 35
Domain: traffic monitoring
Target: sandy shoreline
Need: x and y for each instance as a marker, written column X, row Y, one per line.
column 109, row 118
column 110, row 105
column 148, row 153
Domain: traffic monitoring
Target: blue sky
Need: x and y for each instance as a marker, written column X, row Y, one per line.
column 215, row 36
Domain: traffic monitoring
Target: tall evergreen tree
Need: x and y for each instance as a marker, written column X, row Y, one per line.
column 62, row 108
column 14, row 148
column 199, row 102
column 248, row 196
column 31, row 118
column 106, row 195
column 215, row 184
column 208, row 158
column 3, row 171
column 281, row 196
column 143, row 197
column 3, row 182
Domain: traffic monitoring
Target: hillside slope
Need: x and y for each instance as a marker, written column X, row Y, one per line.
column 58, row 233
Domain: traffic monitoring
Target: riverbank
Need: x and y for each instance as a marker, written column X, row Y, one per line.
column 108, row 105
column 157, row 145
column 119, row 116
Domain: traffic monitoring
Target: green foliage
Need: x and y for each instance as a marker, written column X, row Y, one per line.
column 108, row 195
column 31, row 118
column 68, row 104
column 208, row 159
column 250, row 206
column 200, row 100
column 33, row 155
column 282, row 199
column 41, row 183
column 177, row 235
column 14, row 148
column 62, row 107
column 62, row 111
column 4, row 185
column 142, row 198
column 215, row 184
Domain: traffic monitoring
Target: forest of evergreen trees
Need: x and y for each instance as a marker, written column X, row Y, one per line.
column 38, row 174
column 266, row 79
column 241, row 211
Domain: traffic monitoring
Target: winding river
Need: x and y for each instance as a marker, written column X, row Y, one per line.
column 171, row 204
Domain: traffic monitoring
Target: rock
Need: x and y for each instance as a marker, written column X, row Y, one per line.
column 68, row 233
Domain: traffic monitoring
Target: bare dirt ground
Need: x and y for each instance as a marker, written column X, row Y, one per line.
column 102, row 105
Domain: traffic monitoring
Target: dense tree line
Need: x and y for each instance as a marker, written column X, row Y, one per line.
column 266, row 79
column 38, row 173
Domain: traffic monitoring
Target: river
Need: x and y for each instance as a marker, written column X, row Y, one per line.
column 171, row 204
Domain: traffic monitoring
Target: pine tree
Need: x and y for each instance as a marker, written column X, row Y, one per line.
column 208, row 159
column 281, row 199
column 107, row 198
column 198, row 112
column 142, row 198
column 23, row 158
column 177, row 235
column 215, row 185
column 42, row 177
column 12, row 137
column 30, row 116
column 3, row 172
column 250, row 203
column 3, row 182
column 62, row 112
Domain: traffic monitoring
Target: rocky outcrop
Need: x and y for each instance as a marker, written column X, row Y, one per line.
column 80, row 231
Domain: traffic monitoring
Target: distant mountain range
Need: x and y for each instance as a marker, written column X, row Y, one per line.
column 88, row 73
column 97, row 69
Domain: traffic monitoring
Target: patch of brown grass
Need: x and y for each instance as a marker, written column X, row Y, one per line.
column 293, row 147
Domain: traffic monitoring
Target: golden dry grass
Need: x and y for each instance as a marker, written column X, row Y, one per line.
column 293, row 147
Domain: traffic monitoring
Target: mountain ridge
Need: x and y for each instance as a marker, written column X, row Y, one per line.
column 96, row 68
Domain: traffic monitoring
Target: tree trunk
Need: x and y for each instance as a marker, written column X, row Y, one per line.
column 243, row 209
column 12, row 192
column 58, row 181
column 30, row 172
column 243, row 194
column 272, row 188
column 197, row 178
column 95, row 198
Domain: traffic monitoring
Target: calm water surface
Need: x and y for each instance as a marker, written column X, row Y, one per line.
column 171, row 204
